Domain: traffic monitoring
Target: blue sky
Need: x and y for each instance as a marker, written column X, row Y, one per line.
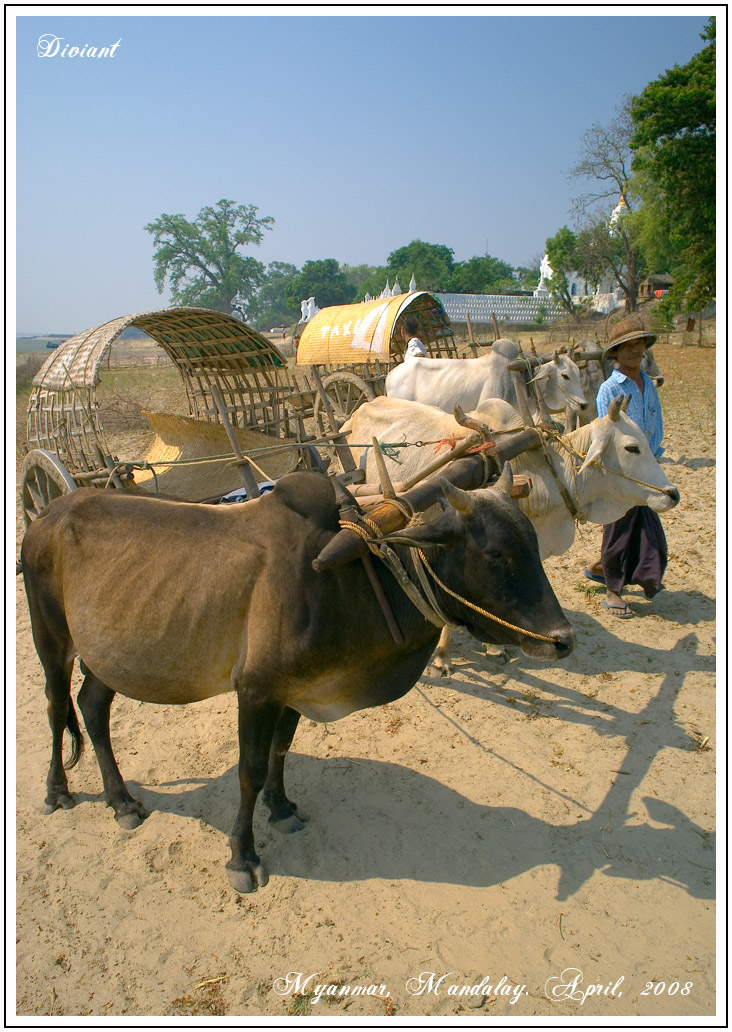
column 357, row 134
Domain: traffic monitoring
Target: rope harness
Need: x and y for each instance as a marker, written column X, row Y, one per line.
column 425, row 600
column 423, row 596
column 572, row 504
column 478, row 609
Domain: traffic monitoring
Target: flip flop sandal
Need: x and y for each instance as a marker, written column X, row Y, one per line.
column 623, row 612
column 594, row 576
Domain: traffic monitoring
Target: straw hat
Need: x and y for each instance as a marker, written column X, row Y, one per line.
column 628, row 329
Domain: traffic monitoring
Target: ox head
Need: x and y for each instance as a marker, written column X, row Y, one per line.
column 485, row 550
column 649, row 367
column 559, row 381
column 620, row 470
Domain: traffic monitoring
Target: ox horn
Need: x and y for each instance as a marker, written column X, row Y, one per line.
column 555, row 358
column 387, row 488
column 625, row 403
column 460, row 500
column 505, row 481
column 613, row 409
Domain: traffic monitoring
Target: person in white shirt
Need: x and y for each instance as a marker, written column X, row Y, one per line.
column 415, row 348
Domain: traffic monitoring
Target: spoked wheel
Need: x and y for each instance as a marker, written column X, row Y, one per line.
column 44, row 478
column 345, row 392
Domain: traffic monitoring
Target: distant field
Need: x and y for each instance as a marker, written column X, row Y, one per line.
column 26, row 344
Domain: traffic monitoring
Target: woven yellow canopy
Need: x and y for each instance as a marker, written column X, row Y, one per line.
column 347, row 334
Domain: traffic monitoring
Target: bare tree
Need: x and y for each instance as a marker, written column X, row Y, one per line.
column 609, row 233
column 605, row 163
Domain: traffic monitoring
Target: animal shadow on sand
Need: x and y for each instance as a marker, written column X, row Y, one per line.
column 695, row 463
column 376, row 819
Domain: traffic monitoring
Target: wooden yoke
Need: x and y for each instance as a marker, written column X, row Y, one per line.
column 467, row 473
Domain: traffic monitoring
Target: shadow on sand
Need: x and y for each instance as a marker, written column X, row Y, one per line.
column 367, row 815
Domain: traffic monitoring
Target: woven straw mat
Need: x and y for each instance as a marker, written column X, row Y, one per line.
column 180, row 437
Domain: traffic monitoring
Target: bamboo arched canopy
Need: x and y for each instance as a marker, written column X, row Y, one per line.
column 198, row 340
column 369, row 332
column 207, row 347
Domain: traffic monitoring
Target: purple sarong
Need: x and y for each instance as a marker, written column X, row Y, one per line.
column 634, row 551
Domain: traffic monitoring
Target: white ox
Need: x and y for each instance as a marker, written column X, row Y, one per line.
column 471, row 382
column 604, row 468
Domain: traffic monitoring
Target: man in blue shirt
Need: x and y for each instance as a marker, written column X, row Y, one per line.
column 634, row 548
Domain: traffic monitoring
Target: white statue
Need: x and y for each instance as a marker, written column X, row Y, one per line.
column 308, row 309
column 546, row 273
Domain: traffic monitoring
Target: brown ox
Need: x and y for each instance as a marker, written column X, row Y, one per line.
column 172, row 602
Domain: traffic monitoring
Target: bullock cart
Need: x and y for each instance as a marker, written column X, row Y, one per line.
column 349, row 349
column 247, row 410
column 241, row 398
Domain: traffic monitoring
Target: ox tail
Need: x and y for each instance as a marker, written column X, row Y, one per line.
column 77, row 739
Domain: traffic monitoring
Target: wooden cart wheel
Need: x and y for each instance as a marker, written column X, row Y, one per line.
column 345, row 392
column 44, row 477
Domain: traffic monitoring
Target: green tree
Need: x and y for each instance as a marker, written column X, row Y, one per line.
column 357, row 275
column 480, row 275
column 652, row 227
column 613, row 248
column 527, row 276
column 201, row 259
column 375, row 283
column 674, row 140
column 561, row 250
column 430, row 264
column 325, row 281
column 269, row 306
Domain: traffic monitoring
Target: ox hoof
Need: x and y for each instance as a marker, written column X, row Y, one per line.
column 62, row 801
column 288, row 825
column 497, row 654
column 248, row 880
column 131, row 818
column 129, row 821
column 441, row 668
column 287, row 819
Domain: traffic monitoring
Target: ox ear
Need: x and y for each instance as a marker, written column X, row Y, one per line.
column 613, row 409
column 594, row 452
column 460, row 500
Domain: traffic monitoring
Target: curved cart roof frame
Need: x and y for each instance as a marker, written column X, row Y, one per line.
column 208, row 348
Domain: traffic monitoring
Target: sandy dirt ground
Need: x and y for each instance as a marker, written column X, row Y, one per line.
column 541, row 834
